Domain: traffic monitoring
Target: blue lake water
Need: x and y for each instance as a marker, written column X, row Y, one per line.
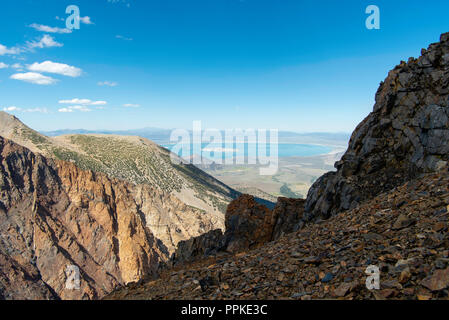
column 211, row 150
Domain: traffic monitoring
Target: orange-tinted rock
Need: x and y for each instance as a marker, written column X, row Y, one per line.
column 53, row 215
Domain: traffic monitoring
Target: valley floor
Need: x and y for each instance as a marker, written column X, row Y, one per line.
column 294, row 177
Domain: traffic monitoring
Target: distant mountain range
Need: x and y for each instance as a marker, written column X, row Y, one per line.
column 162, row 136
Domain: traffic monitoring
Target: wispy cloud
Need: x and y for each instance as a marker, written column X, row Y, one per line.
column 36, row 110
column 57, row 68
column 131, row 105
column 123, row 38
column 3, row 65
column 30, row 110
column 17, row 66
column 44, row 28
column 83, row 102
column 5, row 50
column 11, row 109
column 108, row 83
column 33, row 77
column 46, row 41
column 65, row 110
column 86, row 20
column 125, row 2
column 74, row 108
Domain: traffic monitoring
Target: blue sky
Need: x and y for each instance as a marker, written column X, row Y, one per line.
column 291, row 65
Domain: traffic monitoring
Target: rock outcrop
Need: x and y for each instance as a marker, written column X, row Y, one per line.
column 206, row 245
column 54, row 215
column 248, row 225
column 288, row 214
column 406, row 135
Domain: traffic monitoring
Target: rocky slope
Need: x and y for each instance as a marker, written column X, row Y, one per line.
column 406, row 134
column 53, row 214
column 404, row 232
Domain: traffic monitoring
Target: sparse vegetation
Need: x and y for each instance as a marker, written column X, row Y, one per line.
column 141, row 162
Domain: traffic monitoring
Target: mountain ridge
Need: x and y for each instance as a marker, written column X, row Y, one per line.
column 162, row 136
column 138, row 161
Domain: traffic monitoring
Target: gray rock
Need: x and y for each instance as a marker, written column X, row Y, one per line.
column 406, row 135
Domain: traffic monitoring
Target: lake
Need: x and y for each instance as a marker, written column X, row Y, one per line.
column 211, row 150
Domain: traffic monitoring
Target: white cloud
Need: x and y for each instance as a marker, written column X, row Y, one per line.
column 33, row 77
column 58, row 68
column 98, row 103
column 5, row 50
column 83, row 102
column 86, row 20
column 131, row 105
column 3, row 65
column 74, row 108
column 36, row 110
column 11, row 108
column 44, row 28
column 17, row 66
column 46, row 41
column 80, row 108
column 31, row 110
column 125, row 2
column 108, row 83
column 76, row 101
column 123, row 38
column 65, row 110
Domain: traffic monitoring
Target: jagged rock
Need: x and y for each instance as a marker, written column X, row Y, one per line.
column 402, row 222
column 288, row 214
column 54, row 215
column 406, row 135
column 199, row 247
column 248, row 223
column 438, row 281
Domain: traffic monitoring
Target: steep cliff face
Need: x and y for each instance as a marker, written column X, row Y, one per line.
column 54, row 215
column 406, row 135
